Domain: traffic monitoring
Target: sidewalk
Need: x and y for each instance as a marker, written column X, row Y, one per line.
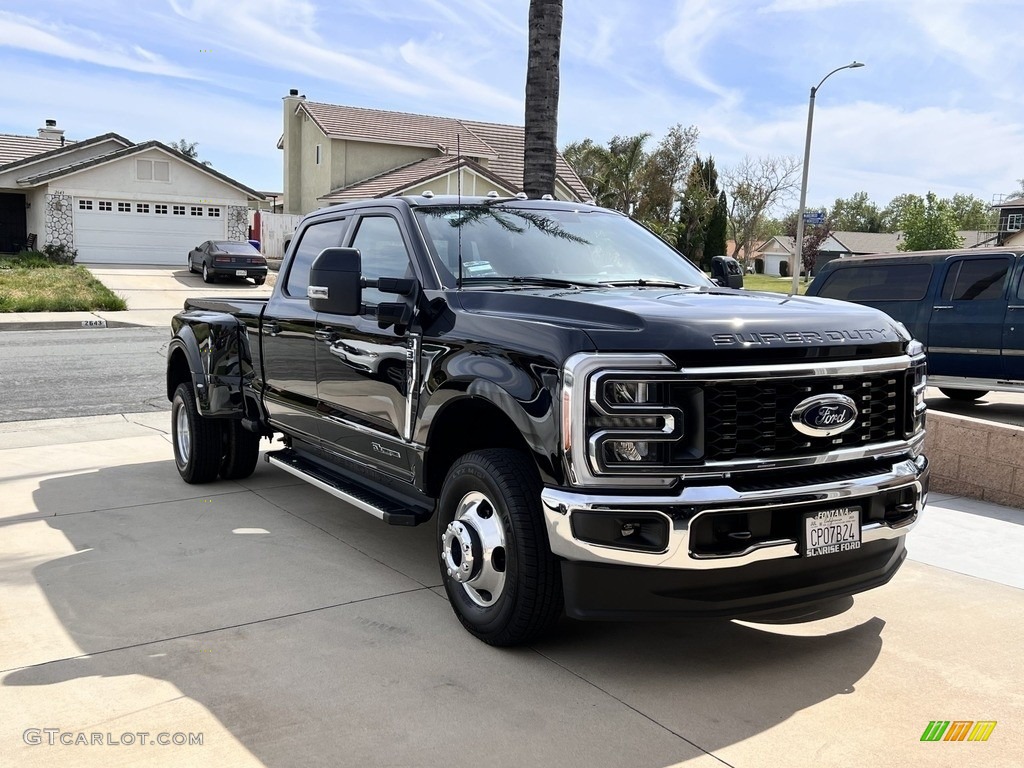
column 287, row 628
column 153, row 294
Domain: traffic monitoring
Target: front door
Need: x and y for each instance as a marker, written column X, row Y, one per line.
column 364, row 371
column 288, row 328
column 13, row 235
column 965, row 333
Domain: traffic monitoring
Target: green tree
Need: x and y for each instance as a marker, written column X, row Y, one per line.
column 856, row 214
column 664, row 177
column 973, row 213
column 696, row 209
column 716, row 240
column 541, row 125
column 929, row 224
column 892, row 214
column 189, row 149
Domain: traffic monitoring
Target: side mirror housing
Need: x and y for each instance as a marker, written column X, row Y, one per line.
column 726, row 271
column 336, row 282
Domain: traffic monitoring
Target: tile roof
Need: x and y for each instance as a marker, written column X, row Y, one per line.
column 500, row 145
column 395, row 181
column 14, row 148
column 69, row 147
column 132, row 149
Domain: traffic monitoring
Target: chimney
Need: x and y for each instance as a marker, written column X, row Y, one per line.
column 292, row 145
column 51, row 131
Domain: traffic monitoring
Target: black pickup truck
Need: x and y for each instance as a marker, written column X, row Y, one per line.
column 596, row 427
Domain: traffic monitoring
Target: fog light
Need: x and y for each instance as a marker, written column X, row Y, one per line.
column 640, row 531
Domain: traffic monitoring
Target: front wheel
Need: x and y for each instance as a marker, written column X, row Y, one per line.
column 501, row 578
column 197, row 441
column 963, row 395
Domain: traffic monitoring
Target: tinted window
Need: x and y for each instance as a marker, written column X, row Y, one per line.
column 504, row 240
column 325, row 234
column 976, row 279
column 382, row 252
column 878, row 282
column 236, row 248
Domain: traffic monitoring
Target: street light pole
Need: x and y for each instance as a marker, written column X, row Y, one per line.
column 798, row 250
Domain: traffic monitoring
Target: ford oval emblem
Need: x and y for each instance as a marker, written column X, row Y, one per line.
column 824, row 415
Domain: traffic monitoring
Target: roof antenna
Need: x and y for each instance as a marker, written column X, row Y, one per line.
column 458, row 171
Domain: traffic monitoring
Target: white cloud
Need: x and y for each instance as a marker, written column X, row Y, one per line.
column 697, row 23
column 59, row 41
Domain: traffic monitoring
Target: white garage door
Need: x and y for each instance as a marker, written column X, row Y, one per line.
column 120, row 232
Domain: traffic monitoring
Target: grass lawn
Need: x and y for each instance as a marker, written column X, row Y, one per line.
column 37, row 286
column 769, row 283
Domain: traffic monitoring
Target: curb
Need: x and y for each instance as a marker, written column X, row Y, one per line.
column 66, row 325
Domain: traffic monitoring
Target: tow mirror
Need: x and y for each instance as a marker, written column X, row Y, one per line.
column 336, row 282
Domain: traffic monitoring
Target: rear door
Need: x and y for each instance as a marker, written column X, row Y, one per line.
column 1013, row 329
column 288, row 328
column 965, row 333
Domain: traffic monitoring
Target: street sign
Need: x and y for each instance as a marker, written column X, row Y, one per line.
column 814, row 217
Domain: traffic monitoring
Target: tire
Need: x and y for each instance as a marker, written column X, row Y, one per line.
column 963, row 395
column 197, row 441
column 508, row 591
column 191, row 266
column 259, row 280
column 208, row 276
column 241, row 451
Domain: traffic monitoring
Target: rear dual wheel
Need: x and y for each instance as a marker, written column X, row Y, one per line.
column 205, row 448
column 501, row 578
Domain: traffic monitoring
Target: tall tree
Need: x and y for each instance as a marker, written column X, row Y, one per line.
column 541, row 124
column 755, row 187
column 972, row 212
column 717, row 241
column 698, row 205
column 929, row 224
column 892, row 214
column 664, row 177
column 856, row 214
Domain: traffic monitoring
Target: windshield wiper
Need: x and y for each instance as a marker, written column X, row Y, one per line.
column 646, row 283
column 551, row 282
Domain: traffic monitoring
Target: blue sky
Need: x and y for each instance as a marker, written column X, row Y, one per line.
column 936, row 108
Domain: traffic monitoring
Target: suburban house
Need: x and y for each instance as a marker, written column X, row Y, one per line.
column 777, row 250
column 333, row 154
column 1011, row 221
column 114, row 201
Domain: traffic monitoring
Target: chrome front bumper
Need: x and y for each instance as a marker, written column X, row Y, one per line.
column 683, row 508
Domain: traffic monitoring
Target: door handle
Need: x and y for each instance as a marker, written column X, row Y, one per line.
column 271, row 328
column 325, row 334
column 937, row 308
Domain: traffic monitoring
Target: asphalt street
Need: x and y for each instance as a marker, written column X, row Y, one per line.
column 88, row 372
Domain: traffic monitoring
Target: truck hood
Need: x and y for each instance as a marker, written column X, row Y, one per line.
column 683, row 319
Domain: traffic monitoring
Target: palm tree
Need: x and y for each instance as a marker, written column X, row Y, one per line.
column 541, row 132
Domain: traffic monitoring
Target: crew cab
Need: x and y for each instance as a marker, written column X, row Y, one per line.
column 594, row 427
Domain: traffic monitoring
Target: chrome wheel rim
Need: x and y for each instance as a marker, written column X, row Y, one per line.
column 205, row 273
column 183, row 435
column 473, row 549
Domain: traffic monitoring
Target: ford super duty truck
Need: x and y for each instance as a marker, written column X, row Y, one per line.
column 596, row 428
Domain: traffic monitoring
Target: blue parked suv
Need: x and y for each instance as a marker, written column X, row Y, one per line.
column 966, row 306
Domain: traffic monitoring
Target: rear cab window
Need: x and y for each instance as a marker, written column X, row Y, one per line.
column 878, row 282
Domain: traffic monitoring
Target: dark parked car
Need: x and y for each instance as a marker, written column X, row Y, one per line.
column 228, row 258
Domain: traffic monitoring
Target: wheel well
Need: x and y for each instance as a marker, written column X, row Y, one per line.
column 451, row 436
column 177, row 372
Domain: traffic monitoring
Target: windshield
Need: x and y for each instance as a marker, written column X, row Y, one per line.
column 501, row 241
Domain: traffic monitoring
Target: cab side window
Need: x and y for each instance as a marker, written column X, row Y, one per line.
column 976, row 279
column 383, row 253
column 325, row 234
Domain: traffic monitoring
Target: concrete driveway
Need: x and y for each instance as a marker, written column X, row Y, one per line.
column 283, row 628
column 155, row 294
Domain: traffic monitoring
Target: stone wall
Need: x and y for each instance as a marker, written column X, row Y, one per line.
column 975, row 458
column 238, row 222
column 60, row 228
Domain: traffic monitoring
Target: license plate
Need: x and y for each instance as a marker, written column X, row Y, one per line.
column 831, row 531
column 240, row 273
